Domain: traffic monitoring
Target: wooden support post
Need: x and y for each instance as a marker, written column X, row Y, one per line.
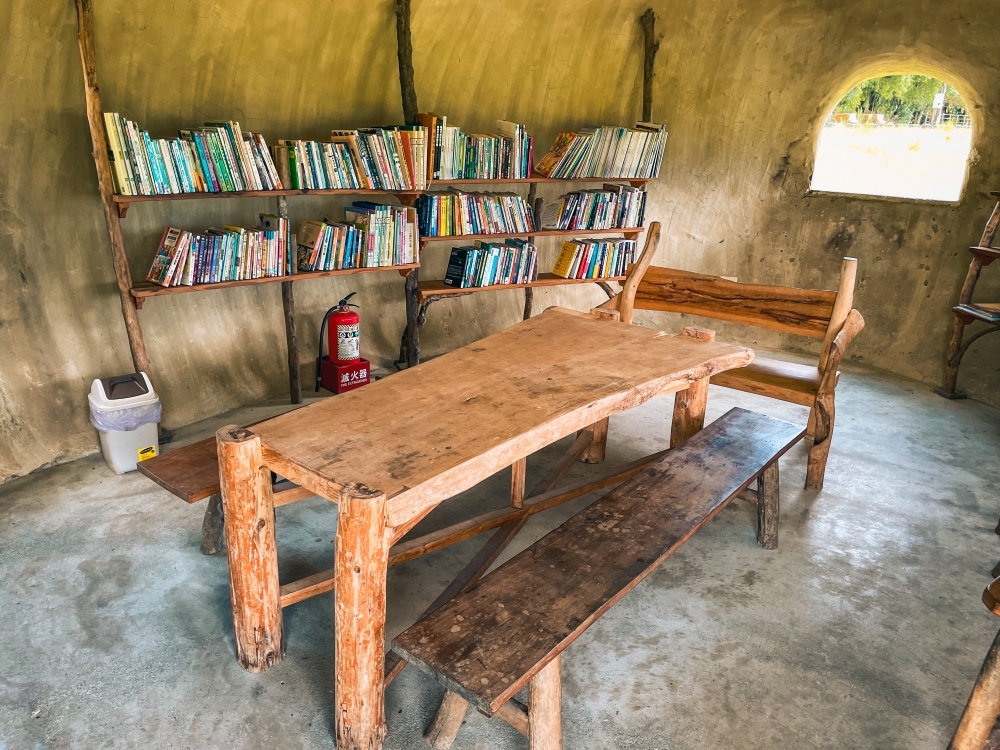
column 518, row 474
column 545, row 708
column 291, row 337
column 106, row 186
column 410, row 346
column 212, row 529
column 447, row 721
column 767, row 507
column 248, row 513
column 649, row 49
column 983, row 708
column 598, row 443
column 404, row 54
column 689, row 411
column 536, row 204
column 360, row 565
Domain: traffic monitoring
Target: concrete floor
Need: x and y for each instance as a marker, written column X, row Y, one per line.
column 863, row 630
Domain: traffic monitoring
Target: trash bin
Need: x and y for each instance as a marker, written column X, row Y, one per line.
column 125, row 410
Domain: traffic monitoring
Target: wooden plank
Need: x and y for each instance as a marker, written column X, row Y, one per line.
column 435, row 430
column 437, row 288
column 191, row 472
column 788, row 381
column 105, row 184
column 538, row 179
column 803, row 311
column 128, row 199
column 628, row 232
column 487, row 643
column 147, row 289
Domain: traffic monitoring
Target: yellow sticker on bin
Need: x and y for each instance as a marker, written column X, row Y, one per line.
column 147, row 452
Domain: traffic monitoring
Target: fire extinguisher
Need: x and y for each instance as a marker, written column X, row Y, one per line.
column 344, row 346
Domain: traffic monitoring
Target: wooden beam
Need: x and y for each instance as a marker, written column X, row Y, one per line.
column 105, row 183
column 536, row 204
column 518, row 471
column 649, row 49
column 515, row 713
column 689, row 412
column 404, row 54
column 447, row 721
column 291, row 337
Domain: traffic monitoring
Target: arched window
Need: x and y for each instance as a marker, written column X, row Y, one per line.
column 903, row 136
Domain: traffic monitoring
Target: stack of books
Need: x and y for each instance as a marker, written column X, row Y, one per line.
column 455, row 212
column 314, row 165
column 610, row 152
column 513, row 261
column 214, row 159
column 505, row 155
column 615, row 206
column 595, row 259
column 373, row 235
column 230, row 254
column 388, row 158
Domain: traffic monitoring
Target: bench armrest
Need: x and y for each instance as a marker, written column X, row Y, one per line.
column 851, row 328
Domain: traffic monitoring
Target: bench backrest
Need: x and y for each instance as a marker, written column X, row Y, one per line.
column 818, row 313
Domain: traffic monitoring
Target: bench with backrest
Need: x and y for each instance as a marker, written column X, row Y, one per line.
column 816, row 313
column 486, row 644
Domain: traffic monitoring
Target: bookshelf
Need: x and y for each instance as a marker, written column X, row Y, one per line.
column 435, row 288
column 630, row 233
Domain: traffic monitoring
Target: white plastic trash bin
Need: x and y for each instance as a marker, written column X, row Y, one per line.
column 125, row 410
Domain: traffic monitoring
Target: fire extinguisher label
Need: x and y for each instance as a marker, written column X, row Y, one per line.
column 348, row 342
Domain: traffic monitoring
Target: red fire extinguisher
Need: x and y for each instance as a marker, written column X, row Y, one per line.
column 343, row 369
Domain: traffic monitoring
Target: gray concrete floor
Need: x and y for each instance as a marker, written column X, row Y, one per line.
column 863, row 630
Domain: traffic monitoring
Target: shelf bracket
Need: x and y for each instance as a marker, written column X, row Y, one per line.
column 122, row 210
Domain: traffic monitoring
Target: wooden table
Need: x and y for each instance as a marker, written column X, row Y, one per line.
column 389, row 453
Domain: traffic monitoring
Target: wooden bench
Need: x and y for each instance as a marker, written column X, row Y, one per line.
column 509, row 631
column 815, row 313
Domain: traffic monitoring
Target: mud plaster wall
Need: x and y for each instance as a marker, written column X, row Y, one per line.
column 742, row 87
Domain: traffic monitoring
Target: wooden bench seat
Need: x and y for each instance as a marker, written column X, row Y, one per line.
column 776, row 378
column 488, row 643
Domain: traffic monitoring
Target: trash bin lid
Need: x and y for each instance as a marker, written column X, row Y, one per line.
column 122, row 391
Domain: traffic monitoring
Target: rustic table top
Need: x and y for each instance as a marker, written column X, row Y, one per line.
column 432, row 431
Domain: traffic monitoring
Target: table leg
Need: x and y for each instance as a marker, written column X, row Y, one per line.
column 595, row 451
column 360, row 565
column 248, row 516
column 689, row 411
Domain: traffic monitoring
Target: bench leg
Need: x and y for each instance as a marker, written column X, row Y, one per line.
column 545, row 709
column 248, row 514
column 689, row 411
column 816, row 469
column 767, row 507
column 361, row 560
column 213, row 538
column 594, row 453
column 983, row 707
column 811, row 424
column 447, row 721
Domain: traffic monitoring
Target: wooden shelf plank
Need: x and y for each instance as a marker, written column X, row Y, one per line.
column 986, row 255
column 146, row 289
column 127, row 199
column 437, row 287
column 633, row 181
column 629, row 232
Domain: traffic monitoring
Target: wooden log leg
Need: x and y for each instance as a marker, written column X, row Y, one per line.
column 411, row 337
column 518, row 476
column 996, row 570
column 811, row 425
column 689, row 411
column 447, row 721
column 545, row 709
column 767, row 507
column 213, row 538
column 820, row 450
column 983, row 707
column 248, row 515
column 595, row 451
column 360, row 564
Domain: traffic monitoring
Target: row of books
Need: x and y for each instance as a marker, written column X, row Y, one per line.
column 594, row 259
column 513, row 261
column 372, row 159
column 232, row 253
column 506, row 155
column 609, row 152
column 456, row 212
column 213, row 159
column 373, row 235
column 615, row 206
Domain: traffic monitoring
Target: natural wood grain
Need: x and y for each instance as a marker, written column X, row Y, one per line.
column 518, row 471
column 105, row 184
column 248, row 513
column 515, row 713
column 291, row 335
column 360, row 562
column 545, row 708
column 802, row 311
column 650, row 46
column 598, row 444
column 841, row 307
column 432, row 431
column 447, row 721
column 404, row 55
column 626, row 305
column 212, row 527
column 775, row 378
column 191, row 473
column 308, row 587
column 689, row 411
column 488, row 642
column 437, row 288
column 983, row 706
column 767, row 507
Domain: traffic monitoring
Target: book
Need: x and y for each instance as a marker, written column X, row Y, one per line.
column 457, row 213
column 594, row 259
column 613, row 206
column 610, row 152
